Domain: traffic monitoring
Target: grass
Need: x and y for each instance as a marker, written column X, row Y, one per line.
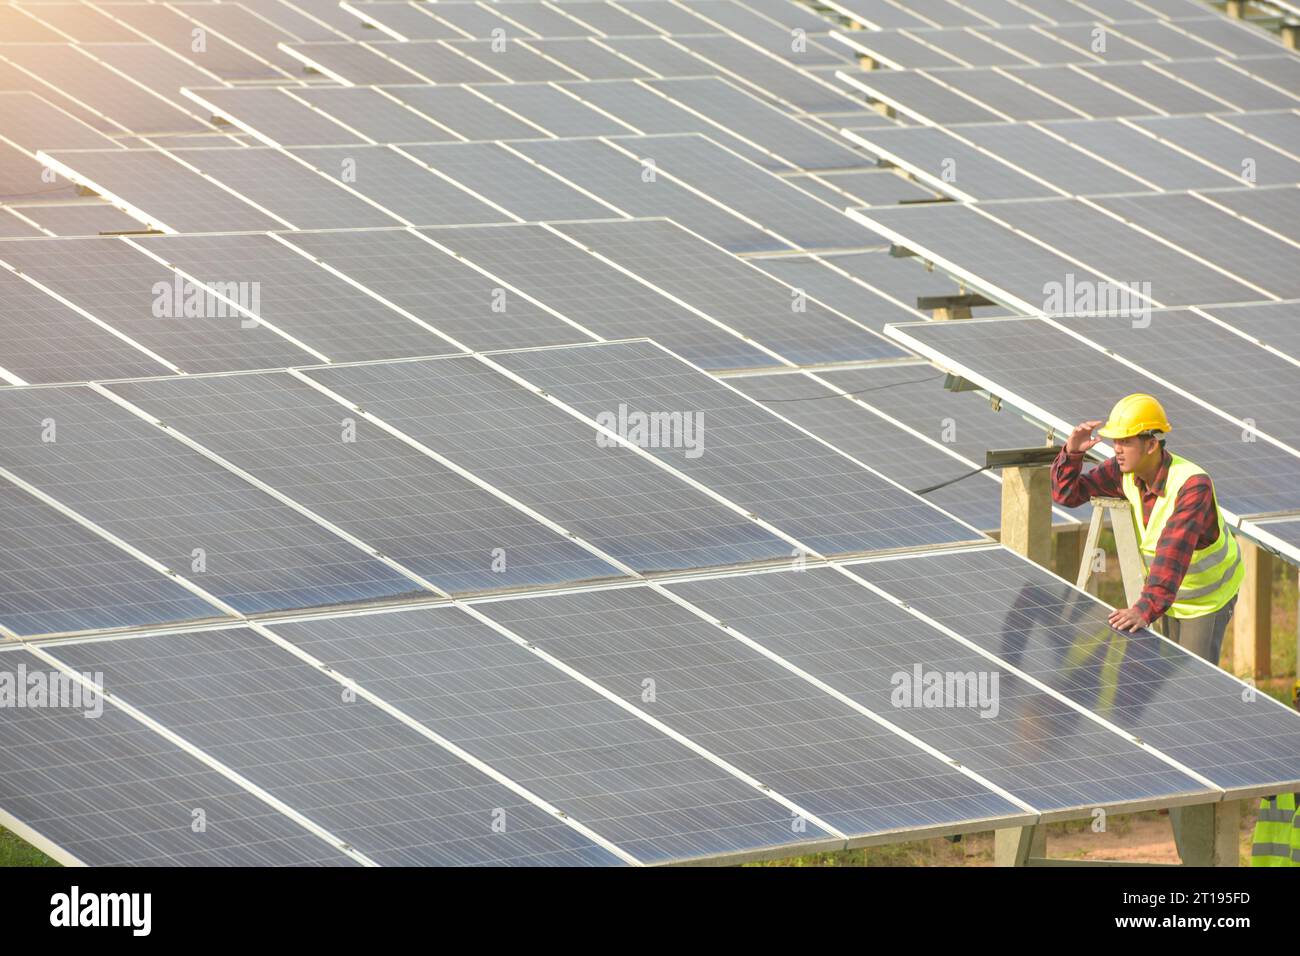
column 17, row 852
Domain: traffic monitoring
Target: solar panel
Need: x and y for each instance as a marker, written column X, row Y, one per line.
column 1159, row 164
column 553, row 109
column 30, row 122
column 163, row 193
column 1050, row 370
column 1165, row 39
column 84, row 219
column 81, row 22
column 182, row 509
column 667, row 17
column 911, row 461
column 836, row 289
column 1149, row 83
column 1287, row 531
column 902, row 51
column 409, row 21
column 411, row 508
column 307, row 302
column 620, row 179
column 1231, row 151
column 279, row 722
column 145, row 301
column 1246, row 252
column 1280, row 71
column 857, row 642
column 774, row 77
column 111, row 791
column 13, row 227
column 1258, row 376
column 506, row 59
column 952, row 234
column 399, row 185
column 1123, row 253
column 1083, row 91
column 878, row 14
column 60, row 577
column 1230, row 37
column 543, row 20
column 974, row 46
column 374, row 115
column 171, row 29
column 293, row 191
column 245, row 29
column 1273, row 323
column 1230, row 85
column 838, row 765
column 1035, row 44
column 1107, row 43
column 825, row 501
column 750, row 190
column 1278, row 129
column 1055, row 160
column 478, row 21
column 428, row 283
column 949, row 165
column 662, row 55
column 640, row 107
column 899, row 278
column 586, row 57
column 747, row 116
column 763, row 310
column 1177, row 703
column 606, row 18
column 551, row 462
column 919, row 96
column 597, row 296
column 350, row 63
column 943, row 12
column 779, row 40
column 464, row 112
column 1275, row 209
column 295, row 20
column 599, row 764
column 509, row 181
column 1004, row 95
column 874, row 188
column 273, row 117
column 115, row 103
column 155, row 69
column 914, row 396
column 45, row 341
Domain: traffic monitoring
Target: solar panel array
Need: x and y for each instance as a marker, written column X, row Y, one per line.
column 470, row 433
column 1131, row 182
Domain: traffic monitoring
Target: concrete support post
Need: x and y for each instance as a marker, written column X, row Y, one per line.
column 1015, row 845
column 1027, row 512
column 1252, row 619
column 1209, row 833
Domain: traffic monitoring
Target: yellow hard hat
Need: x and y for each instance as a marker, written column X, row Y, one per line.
column 1133, row 415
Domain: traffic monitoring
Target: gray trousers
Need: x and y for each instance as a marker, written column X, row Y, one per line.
column 1203, row 636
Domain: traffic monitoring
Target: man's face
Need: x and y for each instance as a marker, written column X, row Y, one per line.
column 1130, row 452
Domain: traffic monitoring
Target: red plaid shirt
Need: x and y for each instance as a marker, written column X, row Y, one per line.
column 1194, row 523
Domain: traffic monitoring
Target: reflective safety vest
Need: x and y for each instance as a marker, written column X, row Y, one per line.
column 1215, row 573
column 1277, row 834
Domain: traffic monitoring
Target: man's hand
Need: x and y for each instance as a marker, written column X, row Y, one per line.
column 1127, row 619
column 1081, row 439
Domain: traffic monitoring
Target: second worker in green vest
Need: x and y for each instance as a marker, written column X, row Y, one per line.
column 1193, row 564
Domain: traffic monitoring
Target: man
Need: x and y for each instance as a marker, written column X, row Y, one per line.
column 1194, row 568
